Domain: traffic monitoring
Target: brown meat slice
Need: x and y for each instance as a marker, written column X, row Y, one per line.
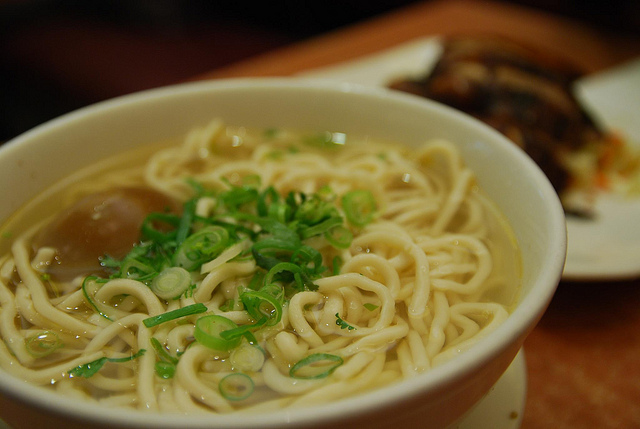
column 520, row 92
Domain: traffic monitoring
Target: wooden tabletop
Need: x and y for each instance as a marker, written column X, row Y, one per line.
column 583, row 358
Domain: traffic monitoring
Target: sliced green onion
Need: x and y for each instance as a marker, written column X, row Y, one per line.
column 201, row 247
column 370, row 306
column 209, row 328
column 189, row 310
column 228, row 305
column 243, row 331
column 342, row 324
column 247, row 358
column 359, row 207
column 239, row 195
column 321, row 228
column 266, row 199
column 267, row 252
column 266, row 302
column 279, row 211
column 257, row 280
column 43, row 344
column 325, row 140
column 90, row 286
column 162, row 352
column 150, row 231
column 281, row 269
column 339, row 237
column 315, row 366
column 137, row 264
column 300, row 272
column 171, row 283
column 308, row 258
column 142, row 263
column 89, row 369
column 277, row 229
column 236, row 386
column 165, row 370
column 251, row 339
column 184, row 227
column 225, row 256
column 337, row 265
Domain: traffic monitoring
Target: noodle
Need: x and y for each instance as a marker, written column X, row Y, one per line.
column 429, row 274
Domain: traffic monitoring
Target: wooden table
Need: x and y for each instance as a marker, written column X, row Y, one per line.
column 583, row 359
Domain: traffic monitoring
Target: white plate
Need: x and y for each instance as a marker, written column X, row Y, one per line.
column 607, row 247
column 503, row 406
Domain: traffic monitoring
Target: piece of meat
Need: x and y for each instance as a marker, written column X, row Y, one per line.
column 104, row 223
column 520, row 92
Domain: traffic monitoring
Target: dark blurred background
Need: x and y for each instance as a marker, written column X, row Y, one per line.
column 59, row 55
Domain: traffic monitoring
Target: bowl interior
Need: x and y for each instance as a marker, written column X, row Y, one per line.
column 33, row 161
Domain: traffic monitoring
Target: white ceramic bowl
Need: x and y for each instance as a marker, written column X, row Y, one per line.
column 438, row 398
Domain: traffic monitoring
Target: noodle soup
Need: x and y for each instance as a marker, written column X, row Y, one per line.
column 247, row 269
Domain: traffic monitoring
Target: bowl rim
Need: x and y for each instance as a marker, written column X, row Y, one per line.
column 523, row 318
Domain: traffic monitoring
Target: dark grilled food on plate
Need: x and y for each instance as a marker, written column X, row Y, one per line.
column 528, row 97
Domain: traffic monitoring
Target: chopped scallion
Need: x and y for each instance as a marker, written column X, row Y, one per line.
column 171, row 282
column 315, row 366
column 43, row 344
column 236, row 386
column 370, row 306
column 266, row 302
column 208, row 332
column 247, row 358
column 165, row 370
column 90, row 285
column 89, row 369
column 201, row 247
column 189, row 310
column 342, row 324
column 162, row 352
column 339, row 237
column 359, row 207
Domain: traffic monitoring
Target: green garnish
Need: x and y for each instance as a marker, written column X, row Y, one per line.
column 166, row 367
column 265, row 303
column 171, row 283
column 317, row 365
column 326, row 140
column 89, row 369
column 342, row 324
column 189, row 310
column 90, row 286
column 277, row 227
column 339, row 237
column 201, row 247
column 243, row 331
column 359, row 207
column 278, row 230
column 236, row 386
column 161, row 351
column 370, row 306
column 165, row 370
column 247, row 357
column 228, row 305
column 189, row 292
column 43, row 344
column 208, row 332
